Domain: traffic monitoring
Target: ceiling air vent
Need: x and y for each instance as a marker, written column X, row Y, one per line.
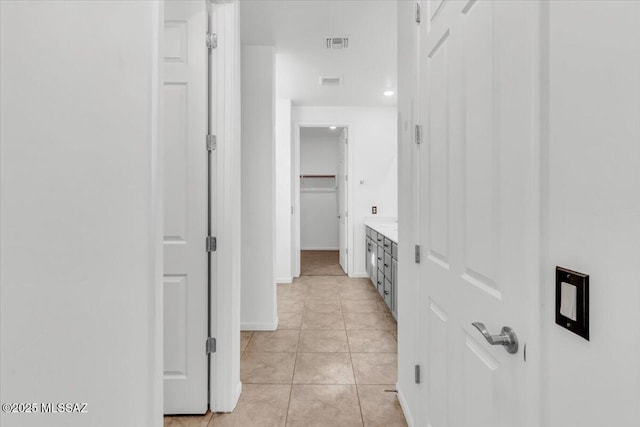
column 337, row 43
column 330, row 81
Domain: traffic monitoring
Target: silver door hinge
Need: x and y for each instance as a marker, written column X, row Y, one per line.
column 346, row 214
column 211, row 142
column 211, row 345
column 418, row 135
column 212, row 41
column 417, row 254
column 211, row 244
column 417, row 374
column 346, row 177
column 417, row 12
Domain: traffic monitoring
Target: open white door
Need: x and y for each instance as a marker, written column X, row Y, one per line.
column 185, row 208
column 342, row 199
column 479, row 212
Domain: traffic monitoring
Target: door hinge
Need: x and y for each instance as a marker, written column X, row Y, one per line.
column 346, row 177
column 211, row 244
column 346, row 214
column 211, row 345
column 417, row 374
column 417, row 254
column 212, row 141
column 418, row 135
column 212, row 41
column 417, row 12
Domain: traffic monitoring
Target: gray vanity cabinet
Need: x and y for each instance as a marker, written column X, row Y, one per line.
column 382, row 266
column 394, row 287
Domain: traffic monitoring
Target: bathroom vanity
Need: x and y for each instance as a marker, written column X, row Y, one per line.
column 382, row 260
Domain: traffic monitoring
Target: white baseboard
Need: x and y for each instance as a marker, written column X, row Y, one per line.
column 319, row 249
column 259, row 326
column 284, row 280
column 405, row 408
column 359, row 275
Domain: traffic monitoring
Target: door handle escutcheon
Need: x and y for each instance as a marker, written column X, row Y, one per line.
column 507, row 337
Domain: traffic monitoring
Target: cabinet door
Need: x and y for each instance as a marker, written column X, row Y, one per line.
column 367, row 254
column 373, row 259
column 394, row 288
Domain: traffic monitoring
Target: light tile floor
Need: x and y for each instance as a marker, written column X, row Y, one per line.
column 332, row 361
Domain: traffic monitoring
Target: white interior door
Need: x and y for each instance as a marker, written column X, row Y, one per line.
column 185, row 208
column 342, row 198
column 479, row 212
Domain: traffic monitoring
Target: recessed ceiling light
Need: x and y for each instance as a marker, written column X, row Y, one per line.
column 332, row 127
column 388, row 93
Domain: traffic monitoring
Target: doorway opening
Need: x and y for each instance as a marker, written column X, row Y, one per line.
column 322, row 160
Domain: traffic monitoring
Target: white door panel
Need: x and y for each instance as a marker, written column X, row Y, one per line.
column 185, row 208
column 477, row 81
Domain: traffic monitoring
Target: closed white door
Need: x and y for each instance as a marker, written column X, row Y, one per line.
column 342, row 198
column 185, row 207
column 479, row 212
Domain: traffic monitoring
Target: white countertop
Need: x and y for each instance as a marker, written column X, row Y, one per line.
column 388, row 228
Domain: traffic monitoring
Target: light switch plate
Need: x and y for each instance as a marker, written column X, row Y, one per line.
column 572, row 301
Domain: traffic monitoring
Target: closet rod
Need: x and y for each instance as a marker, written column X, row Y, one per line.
column 317, row 176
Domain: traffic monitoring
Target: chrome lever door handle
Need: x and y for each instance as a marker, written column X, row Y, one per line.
column 507, row 337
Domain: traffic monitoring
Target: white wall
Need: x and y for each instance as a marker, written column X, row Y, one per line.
column 80, row 208
column 318, row 196
column 258, row 293
column 372, row 153
column 592, row 210
column 318, row 154
column 284, row 195
column 319, row 220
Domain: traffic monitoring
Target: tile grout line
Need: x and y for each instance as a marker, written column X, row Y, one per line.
column 295, row 361
column 353, row 369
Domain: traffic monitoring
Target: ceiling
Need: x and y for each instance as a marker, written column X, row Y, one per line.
column 320, row 132
column 299, row 28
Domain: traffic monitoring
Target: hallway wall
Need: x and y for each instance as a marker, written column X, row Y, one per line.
column 81, row 211
column 318, row 207
column 258, row 290
column 591, row 201
column 283, row 192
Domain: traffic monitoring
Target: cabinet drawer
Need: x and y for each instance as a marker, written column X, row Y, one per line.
column 380, row 258
column 373, row 235
column 394, row 250
column 387, row 245
column 368, row 231
column 387, row 266
column 380, row 239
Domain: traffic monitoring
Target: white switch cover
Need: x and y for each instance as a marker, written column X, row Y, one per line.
column 569, row 296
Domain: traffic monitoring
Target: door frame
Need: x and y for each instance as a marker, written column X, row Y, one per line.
column 296, row 244
column 224, row 322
